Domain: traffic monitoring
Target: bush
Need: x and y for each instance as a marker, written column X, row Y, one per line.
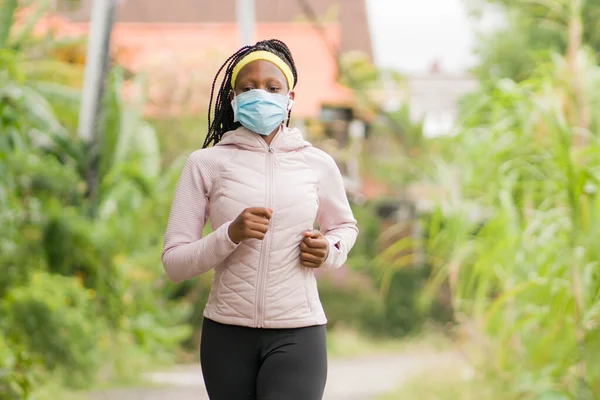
column 404, row 312
column 401, row 310
column 81, row 287
column 18, row 371
column 349, row 299
column 54, row 318
column 366, row 246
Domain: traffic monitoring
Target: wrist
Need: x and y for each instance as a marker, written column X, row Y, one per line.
column 231, row 235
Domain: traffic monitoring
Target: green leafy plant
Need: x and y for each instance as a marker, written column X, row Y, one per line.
column 18, row 371
column 80, row 292
column 55, row 319
column 523, row 275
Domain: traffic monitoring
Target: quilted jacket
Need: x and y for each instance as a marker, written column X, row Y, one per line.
column 260, row 284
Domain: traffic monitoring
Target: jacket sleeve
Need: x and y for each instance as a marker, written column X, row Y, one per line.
column 186, row 253
column 335, row 217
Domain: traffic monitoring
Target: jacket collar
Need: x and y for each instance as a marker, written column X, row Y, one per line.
column 286, row 140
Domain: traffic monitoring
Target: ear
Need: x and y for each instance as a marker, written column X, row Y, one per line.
column 231, row 94
column 291, row 102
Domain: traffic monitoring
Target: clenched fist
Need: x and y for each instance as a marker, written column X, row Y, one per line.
column 252, row 223
column 314, row 249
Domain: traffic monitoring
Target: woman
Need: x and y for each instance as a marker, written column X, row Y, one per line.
column 263, row 187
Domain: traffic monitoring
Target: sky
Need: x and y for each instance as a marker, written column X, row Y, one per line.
column 409, row 35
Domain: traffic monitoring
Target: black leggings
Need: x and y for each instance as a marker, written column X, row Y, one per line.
column 241, row 363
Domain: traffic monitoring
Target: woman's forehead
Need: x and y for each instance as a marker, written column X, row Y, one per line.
column 261, row 70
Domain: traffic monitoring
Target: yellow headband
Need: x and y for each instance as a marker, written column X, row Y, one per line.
column 267, row 56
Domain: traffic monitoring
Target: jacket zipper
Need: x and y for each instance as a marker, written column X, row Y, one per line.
column 264, row 254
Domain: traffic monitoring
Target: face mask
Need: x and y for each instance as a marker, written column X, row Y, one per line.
column 260, row 111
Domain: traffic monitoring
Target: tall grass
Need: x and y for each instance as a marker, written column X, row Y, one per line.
column 526, row 279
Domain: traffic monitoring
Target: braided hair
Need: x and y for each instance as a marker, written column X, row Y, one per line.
column 223, row 111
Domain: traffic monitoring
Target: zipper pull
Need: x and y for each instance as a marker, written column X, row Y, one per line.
column 272, row 152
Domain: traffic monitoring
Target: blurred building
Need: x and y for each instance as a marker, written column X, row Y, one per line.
column 350, row 14
column 180, row 61
column 179, row 45
column 434, row 98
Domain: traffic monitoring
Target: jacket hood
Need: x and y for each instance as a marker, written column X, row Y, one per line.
column 286, row 140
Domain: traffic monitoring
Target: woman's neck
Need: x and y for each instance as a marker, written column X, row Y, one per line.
column 269, row 139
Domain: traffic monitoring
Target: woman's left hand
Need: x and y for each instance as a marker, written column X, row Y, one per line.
column 313, row 249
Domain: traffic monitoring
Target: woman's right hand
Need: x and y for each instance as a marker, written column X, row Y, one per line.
column 252, row 223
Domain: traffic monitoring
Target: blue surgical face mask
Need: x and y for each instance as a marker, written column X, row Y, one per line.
column 260, row 111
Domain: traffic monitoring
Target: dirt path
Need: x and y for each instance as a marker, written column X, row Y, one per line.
column 349, row 379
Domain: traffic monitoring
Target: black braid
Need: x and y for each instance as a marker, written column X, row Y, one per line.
column 223, row 116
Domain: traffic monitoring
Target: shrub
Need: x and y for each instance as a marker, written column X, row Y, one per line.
column 349, row 299
column 18, row 371
column 405, row 313
column 54, row 318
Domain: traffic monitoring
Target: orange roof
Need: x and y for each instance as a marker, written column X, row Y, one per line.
column 351, row 14
column 180, row 61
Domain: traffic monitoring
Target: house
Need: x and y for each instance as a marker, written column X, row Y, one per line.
column 350, row 14
column 434, row 98
column 179, row 46
column 180, row 60
column 159, row 29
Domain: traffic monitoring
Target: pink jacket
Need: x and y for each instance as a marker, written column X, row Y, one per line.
column 258, row 283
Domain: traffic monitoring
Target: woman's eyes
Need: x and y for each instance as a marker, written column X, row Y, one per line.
column 272, row 89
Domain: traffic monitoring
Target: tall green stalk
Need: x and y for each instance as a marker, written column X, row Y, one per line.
column 7, row 12
column 524, row 278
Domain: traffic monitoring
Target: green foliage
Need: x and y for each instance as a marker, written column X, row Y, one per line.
column 78, row 294
column 365, row 248
column 54, row 318
column 396, row 310
column 512, row 247
column 179, row 135
column 404, row 314
column 518, row 251
column 535, row 30
column 7, row 11
column 18, row 371
column 503, row 55
column 352, row 301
